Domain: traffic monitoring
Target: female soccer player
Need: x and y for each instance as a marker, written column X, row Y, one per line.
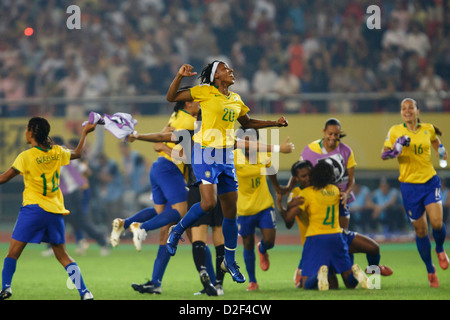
column 330, row 149
column 169, row 190
column 325, row 247
column 213, row 151
column 411, row 143
column 255, row 206
column 41, row 214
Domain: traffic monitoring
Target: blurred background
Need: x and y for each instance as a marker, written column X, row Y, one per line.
column 308, row 60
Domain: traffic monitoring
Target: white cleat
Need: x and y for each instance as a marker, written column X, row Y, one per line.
column 87, row 296
column 117, row 231
column 322, row 277
column 360, row 276
column 139, row 235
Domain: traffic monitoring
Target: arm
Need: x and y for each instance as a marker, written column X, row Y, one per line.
column 290, row 213
column 8, row 175
column 285, row 147
column 248, row 122
column 151, row 137
column 173, row 95
column 351, row 181
column 76, row 154
column 435, row 144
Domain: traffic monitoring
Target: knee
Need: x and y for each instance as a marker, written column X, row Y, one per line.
column 208, row 204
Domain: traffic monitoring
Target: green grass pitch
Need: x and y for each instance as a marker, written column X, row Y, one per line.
column 110, row 277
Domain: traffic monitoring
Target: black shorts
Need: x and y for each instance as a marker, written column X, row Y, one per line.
column 214, row 218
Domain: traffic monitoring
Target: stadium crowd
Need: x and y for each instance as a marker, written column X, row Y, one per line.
column 135, row 47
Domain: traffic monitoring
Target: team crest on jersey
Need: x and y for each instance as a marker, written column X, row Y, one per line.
column 207, row 174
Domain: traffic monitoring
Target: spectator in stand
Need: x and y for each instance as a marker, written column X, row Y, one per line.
column 417, row 40
column 264, row 79
column 285, row 85
column 361, row 208
column 395, row 37
column 432, row 84
column 387, row 211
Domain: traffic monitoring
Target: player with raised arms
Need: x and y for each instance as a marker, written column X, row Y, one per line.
column 40, row 217
column 411, row 143
column 212, row 157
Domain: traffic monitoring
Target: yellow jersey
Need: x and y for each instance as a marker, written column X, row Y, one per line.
column 219, row 115
column 322, row 209
column 415, row 164
column 302, row 220
column 41, row 172
column 253, row 193
column 179, row 120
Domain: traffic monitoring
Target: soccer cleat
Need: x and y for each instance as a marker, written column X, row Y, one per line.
column 117, row 231
column 443, row 260
column 359, row 275
column 148, row 287
column 5, row 293
column 87, row 296
column 172, row 241
column 219, row 289
column 384, row 270
column 433, row 280
column 252, row 286
column 210, row 290
column 233, row 269
column 298, row 278
column 322, row 279
column 139, row 235
column 264, row 262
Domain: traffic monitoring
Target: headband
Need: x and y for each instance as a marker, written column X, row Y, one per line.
column 213, row 71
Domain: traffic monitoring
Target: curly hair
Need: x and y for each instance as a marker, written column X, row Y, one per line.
column 40, row 129
column 321, row 175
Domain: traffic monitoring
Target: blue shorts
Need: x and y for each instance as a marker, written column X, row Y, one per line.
column 215, row 166
column 344, row 211
column 35, row 225
column 349, row 236
column 328, row 249
column 418, row 195
column 168, row 184
column 264, row 219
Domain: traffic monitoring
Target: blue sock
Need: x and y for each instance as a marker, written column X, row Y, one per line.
column 424, row 247
column 9, row 267
column 159, row 267
column 439, row 238
column 75, row 275
column 311, row 283
column 249, row 259
column 164, row 218
column 210, row 265
column 373, row 259
column 351, row 281
column 194, row 213
column 230, row 234
column 141, row 216
column 264, row 247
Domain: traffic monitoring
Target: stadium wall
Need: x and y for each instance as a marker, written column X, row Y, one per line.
column 365, row 135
